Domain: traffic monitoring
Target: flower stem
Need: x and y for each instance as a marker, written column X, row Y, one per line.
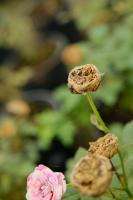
column 94, row 108
column 106, row 130
column 124, row 174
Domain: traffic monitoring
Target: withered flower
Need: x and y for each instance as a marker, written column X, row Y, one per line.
column 72, row 54
column 8, row 128
column 106, row 146
column 18, row 107
column 84, row 79
column 92, row 175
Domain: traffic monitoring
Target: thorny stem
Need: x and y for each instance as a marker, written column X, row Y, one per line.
column 106, row 130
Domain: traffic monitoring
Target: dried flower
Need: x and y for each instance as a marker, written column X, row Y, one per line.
column 8, row 128
column 44, row 184
column 72, row 54
column 106, row 146
column 84, row 79
column 18, row 107
column 92, row 175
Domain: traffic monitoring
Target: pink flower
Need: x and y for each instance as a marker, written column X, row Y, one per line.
column 44, row 184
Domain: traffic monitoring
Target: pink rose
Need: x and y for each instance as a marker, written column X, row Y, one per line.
column 44, row 184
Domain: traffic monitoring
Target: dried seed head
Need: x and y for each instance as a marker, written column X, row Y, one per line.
column 72, row 54
column 106, row 146
column 84, row 79
column 18, row 107
column 8, row 129
column 92, row 175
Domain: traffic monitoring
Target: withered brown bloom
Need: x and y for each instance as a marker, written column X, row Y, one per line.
column 72, row 54
column 84, row 79
column 106, row 146
column 18, row 107
column 92, row 175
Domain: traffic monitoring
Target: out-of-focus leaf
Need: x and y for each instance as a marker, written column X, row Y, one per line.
column 71, row 194
column 66, row 132
column 68, row 100
column 117, row 129
column 95, row 122
column 113, row 86
column 128, row 133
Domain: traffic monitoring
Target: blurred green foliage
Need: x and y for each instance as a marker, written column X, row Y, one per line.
column 106, row 26
column 64, row 123
column 18, row 153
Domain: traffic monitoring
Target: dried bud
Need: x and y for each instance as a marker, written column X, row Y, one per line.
column 18, row 107
column 106, row 146
column 8, row 128
column 84, row 79
column 92, row 175
column 72, row 54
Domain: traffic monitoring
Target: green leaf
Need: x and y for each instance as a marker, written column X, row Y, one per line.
column 66, row 132
column 128, row 133
column 68, row 100
column 117, row 129
column 71, row 194
column 113, row 85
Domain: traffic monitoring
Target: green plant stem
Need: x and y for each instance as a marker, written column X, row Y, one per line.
column 94, row 108
column 112, row 194
column 106, row 130
column 124, row 174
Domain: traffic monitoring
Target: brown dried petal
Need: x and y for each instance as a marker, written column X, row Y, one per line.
column 106, row 146
column 92, row 175
column 84, row 79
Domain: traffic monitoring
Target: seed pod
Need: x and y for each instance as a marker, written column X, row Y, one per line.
column 106, row 146
column 8, row 129
column 72, row 54
column 92, row 175
column 18, row 107
column 84, row 79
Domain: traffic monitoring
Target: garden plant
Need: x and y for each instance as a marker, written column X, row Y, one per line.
column 104, row 171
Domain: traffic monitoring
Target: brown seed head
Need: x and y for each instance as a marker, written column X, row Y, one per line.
column 92, row 175
column 18, row 107
column 106, row 146
column 8, row 129
column 84, row 79
column 72, row 54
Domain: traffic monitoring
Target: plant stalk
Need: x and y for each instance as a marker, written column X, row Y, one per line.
column 106, row 130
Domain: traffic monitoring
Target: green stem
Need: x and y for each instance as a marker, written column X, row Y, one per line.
column 106, row 130
column 94, row 108
column 124, row 174
column 112, row 194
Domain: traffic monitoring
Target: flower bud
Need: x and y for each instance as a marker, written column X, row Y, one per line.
column 84, row 79
column 92, row 175
column 106, row 146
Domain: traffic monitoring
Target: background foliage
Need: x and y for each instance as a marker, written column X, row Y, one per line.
column 40, row 120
